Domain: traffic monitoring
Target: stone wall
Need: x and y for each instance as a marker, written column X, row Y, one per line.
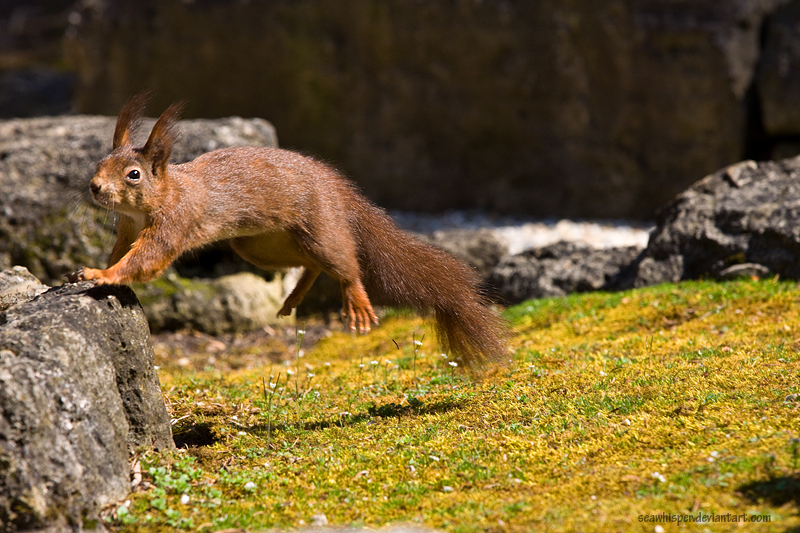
column 550, row 108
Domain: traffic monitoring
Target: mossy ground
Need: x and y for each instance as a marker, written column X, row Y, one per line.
column 670, row 399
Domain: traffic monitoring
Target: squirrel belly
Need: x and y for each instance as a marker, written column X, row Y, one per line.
column 280, row 209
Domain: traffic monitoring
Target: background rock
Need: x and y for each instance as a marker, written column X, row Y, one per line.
column 229, row 304
column 46, row 221
column 746, row 213
column 482, row 249
column 559, row 269
column 77, row 391
column 18, row 285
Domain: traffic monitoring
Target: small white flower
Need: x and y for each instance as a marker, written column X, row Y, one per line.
column 185, row 499
column 301, row 332
column 715, row 454
column 249, row 485
column 444, row 355
column 418, row 343
column 659, row 477
column 327, row 363
column 453, row 363
column 373, row 362
column 290, row 371
column 659, row 528
column 603, row 373
column 272, row 385
column 310, row 375
column 361, row 365
column 447, row 488
column 242, row 434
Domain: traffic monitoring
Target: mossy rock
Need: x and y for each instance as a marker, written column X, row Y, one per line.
column 229, row 304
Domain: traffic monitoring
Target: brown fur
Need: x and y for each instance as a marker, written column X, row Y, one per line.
column 279, row 209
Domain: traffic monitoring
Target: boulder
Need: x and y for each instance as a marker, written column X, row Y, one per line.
column 18, row 285
column 559, row 269
column 482, row 248
column 741, row 220
column 78, row 391
column 47, row 222
column 229, row 304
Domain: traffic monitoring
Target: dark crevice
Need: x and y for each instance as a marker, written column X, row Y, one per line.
column 195, row 435
column 758, row 145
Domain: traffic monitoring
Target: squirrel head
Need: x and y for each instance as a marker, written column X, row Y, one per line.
column 131, row 180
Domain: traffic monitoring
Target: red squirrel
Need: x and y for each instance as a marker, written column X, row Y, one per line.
column 279, row 209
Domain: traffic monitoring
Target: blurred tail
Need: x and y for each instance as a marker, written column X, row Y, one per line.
column 399, row 270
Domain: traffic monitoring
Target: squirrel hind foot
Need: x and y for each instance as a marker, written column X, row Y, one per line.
column 360, row 319
column 357, row 309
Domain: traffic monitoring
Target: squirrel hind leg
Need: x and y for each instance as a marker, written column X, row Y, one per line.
column 305, row 282
column 356, row 307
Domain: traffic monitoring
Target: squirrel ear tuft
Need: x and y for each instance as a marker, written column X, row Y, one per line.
column 129, row 119
column 159, row 145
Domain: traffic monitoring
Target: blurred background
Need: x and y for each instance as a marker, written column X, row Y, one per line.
column 546, row 108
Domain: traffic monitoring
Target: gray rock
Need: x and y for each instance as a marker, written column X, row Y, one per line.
column 559, row 269
column 744, row 270
column 47, row 223
column 482, row 249
column 18, row 285
column 77, row 392
column 229, row 304
column 747, row 214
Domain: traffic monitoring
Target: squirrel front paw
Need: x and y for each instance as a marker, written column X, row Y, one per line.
column 75, row 277
column 83, row 274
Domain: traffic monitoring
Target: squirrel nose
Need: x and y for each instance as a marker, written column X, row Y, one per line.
column 94, row 187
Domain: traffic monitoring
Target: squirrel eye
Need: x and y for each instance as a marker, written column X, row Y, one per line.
column 134, row 175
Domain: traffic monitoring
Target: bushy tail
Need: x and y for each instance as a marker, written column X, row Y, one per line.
column 399, row 270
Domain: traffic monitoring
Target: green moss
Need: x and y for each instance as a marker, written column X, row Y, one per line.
column 164, row 287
